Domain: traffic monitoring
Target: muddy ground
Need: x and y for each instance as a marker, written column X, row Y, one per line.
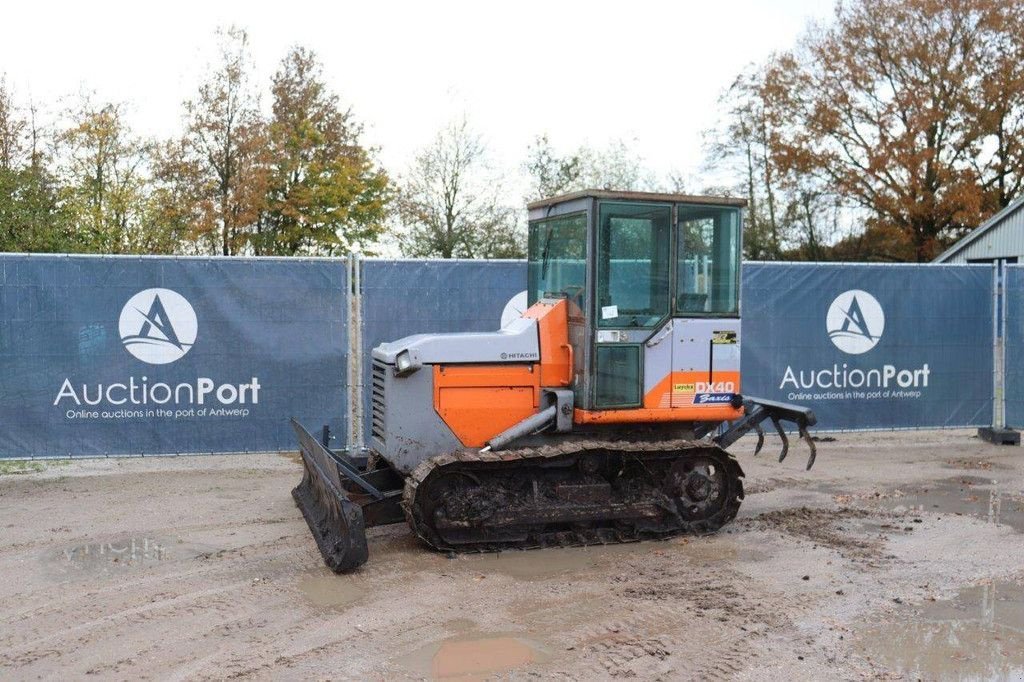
column 900, row 555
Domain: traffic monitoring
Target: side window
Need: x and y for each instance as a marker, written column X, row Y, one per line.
column 557, row 258
column 707, row 261
column 633, row 264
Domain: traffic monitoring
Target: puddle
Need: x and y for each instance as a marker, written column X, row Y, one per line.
column 125, row 553
column 473, row 656
column 330, row 591
column 979, row 635
column 975, row 496
column 716, row 549
column 546, row 564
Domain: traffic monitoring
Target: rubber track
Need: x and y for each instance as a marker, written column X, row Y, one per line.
column 561, row 449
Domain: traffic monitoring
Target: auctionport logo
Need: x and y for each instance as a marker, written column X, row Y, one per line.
column 855, row 322
column 158, row 326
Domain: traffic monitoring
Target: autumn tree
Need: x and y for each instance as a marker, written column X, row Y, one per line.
column 325, row 192
column 451, row 205
column 789, row 213
column 104, row 177
column 177, row 201
column 909, row 109
column 223, row 153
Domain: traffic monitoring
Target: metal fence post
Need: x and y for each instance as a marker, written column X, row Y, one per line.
column 998, row 433
column 349, row 351
column 1004, row 304
column 358, row 367
column 354, row 304
column 998, row 376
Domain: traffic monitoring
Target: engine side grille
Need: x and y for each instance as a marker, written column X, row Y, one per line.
column 377, row 401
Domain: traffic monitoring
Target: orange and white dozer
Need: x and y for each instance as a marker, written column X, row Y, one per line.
column 588, row 420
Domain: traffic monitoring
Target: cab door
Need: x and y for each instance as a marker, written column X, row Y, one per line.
column 706, row 333
column 632, row 297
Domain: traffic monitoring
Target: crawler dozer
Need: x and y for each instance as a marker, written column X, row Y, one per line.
column 601, row 415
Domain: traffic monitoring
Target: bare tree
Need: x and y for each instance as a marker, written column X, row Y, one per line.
column 12, row 129
column 450, row 202
column 614, row 167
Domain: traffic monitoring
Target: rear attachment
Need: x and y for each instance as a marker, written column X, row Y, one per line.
column 339, row 498
column 757, row 410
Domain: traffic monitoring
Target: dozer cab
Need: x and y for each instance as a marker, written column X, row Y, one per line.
column 601, row 415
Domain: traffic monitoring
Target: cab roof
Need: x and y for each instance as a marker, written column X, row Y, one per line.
column 659, row 197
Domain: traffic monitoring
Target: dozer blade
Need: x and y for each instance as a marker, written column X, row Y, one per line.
column 335, row 521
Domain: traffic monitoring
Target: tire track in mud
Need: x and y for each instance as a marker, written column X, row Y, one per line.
column 130, row 601
column 675, row 620
column 132, row 579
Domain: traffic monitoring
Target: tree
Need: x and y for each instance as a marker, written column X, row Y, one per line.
column 745, row 141
column 552, row 174
column 223, row 153
column 614, row 167
column 450, row 204
column 325, row 193
column 12, row 129
column 789, row 214
column 31, row 216
column 176, row 202
column 104, row 178
column 910, row 109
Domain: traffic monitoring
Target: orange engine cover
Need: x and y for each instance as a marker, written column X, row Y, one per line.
column 478, row 402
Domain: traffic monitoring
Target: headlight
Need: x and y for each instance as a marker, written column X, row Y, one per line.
column 403, row 362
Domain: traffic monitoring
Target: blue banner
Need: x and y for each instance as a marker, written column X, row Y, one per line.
column 871, row 346
column 110, row 355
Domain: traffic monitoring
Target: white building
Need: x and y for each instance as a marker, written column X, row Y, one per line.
column 1000, row 238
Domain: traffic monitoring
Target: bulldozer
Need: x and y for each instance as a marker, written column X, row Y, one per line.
column 601, row 415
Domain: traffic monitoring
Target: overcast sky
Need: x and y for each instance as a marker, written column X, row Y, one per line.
column 584, row 72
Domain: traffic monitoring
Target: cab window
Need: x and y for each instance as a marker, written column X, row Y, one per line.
column 707, row 261
column 557, row 258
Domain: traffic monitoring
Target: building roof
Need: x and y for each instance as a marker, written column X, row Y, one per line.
column 980, row 231
column 638, row 196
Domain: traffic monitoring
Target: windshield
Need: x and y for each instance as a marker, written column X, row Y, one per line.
column 557, row 258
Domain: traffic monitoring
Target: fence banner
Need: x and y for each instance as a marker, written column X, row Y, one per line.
column 1014, row 345
column 115, row 355
column 871, row 346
